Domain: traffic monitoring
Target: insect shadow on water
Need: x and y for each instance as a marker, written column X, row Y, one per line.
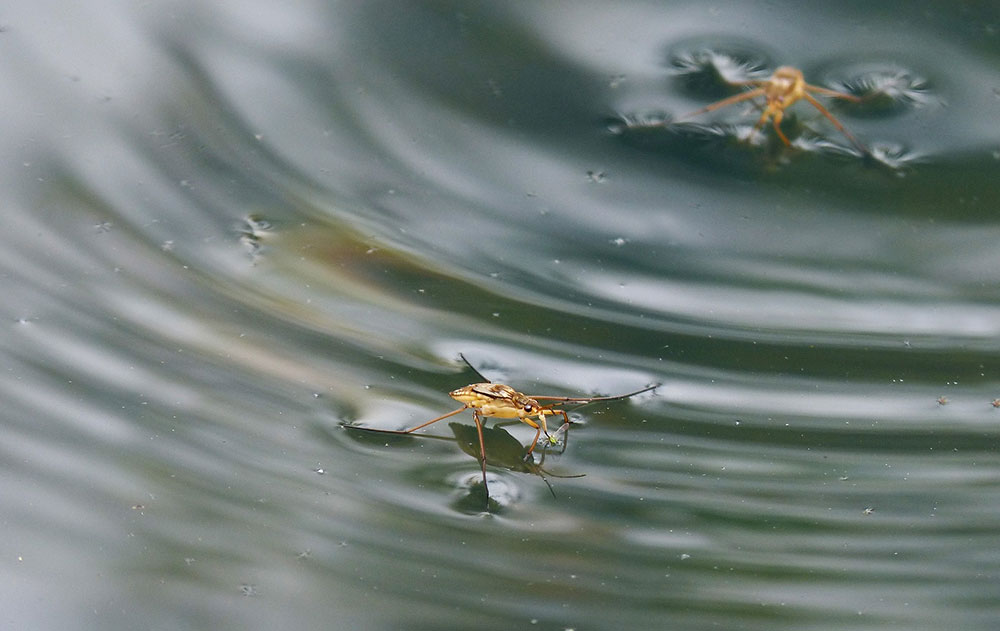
column 496, row 400
column 502, row 450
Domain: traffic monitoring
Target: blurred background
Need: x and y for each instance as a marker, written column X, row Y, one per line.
column 231, row 228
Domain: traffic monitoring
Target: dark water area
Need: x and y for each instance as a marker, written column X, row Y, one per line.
column 233, row 230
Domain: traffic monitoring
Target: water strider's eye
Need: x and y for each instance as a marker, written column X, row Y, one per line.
column 529, row 408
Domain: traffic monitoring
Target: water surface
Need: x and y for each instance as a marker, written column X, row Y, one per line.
column 232, row 229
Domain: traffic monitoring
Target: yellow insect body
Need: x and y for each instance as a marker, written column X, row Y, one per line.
column 502, row 401
column 499, row 400
column 783, row 89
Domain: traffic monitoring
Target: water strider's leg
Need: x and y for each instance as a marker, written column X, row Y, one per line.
column 736, row 98
column 421, row 426
column 822, row 110
column 482, row 454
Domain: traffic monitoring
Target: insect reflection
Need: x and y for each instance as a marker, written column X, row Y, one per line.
column 504, row 451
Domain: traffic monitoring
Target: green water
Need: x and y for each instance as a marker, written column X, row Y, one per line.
column 233, row 228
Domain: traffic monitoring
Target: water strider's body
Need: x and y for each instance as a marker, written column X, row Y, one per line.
column 501, row 401
column 497, row 400
column 781, row 90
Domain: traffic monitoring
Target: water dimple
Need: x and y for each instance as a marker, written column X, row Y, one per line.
column 251, row 231
column 885, row 89
column 623, row 123
column 712, row 70
column 470, row 496
column 894, row 156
